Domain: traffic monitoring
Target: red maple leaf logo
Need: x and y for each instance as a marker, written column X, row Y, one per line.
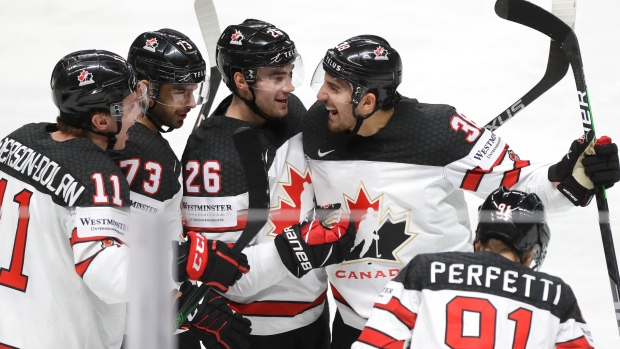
column 108, row 243
column 289, row 210
column 359, row 206
column 151, row 42
column 236, row 35
column 83, row 75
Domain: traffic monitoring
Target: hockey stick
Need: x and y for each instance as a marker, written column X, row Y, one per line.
column 530, row 15
column 249, row 148
column 210, row 28
column 557, row 66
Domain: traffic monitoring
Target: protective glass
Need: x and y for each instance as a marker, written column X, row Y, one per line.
column 338, row 90
column 133, row 107
column 277, row 78
column 183, row 95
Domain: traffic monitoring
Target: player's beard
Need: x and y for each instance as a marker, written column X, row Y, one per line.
column 166, row 116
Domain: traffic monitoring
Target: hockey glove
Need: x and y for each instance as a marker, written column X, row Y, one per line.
column 574, row 184
column 603, row 168
column 210, row 261
column 213, row 322
column 314, row 243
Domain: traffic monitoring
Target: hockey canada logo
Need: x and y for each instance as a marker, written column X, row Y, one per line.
column 381, row 54
column 236, row 38
column 151, row 44
column 85, row 78
column 381, row 233
column 513, row 156
column 105, row 243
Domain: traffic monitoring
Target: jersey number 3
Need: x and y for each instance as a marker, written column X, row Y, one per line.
column 486, row 336
column 13, row 276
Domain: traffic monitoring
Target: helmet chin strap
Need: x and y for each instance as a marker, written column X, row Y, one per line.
column 253, row 107
column 111, row 135
column 360, row 119
column 154, row 95
column 157, row 125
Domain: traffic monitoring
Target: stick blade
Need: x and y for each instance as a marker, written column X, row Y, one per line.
column 566, row 11
column 209, row 26
column 533, row 16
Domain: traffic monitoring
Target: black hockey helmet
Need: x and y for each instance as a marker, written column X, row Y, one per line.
column 368, row 63
column 169, row 56
column 517, row 219
column 91, row 79
column 252, row 45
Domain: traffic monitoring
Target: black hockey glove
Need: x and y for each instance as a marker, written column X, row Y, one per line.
column 210, row 261
column 569, row 172
column 314, row 243
column 213, row 322
column 603, row 168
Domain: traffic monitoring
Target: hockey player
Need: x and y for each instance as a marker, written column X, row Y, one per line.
column 371, row 148
column 260, row 65
column 64, row 214
column 173, row 70
column 489, row 299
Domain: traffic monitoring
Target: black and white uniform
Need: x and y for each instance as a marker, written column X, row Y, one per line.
column 474, row 300
column 63, row 223
column 215, row 203
column 404, row 188
column 154, row 175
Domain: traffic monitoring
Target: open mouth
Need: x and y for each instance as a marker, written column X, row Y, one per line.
column 282, row 100
column 332, row 111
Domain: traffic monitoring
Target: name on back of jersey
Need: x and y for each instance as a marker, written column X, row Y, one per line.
column 40, row 170
column 477, row 276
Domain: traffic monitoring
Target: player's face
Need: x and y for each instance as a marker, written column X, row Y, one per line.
column 332, row 93
column 173, row 104
column 133, row 106
column 272, row 88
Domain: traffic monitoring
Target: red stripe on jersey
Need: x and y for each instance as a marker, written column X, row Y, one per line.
column 75, row 239
column 403, row 314
column 338, row 296
column 6, row 346
column 472, row 178
column 379, row 339
column 81, row 267
column 512, row 177
column 276, row 308
column 578, row 343
column 242, row 218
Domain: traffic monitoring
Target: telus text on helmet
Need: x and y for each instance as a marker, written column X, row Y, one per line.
column 333, row 64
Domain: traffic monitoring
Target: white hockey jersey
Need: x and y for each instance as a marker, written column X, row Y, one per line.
column 63, row 262
column 215, row 203
column 404, row 189
column 480, row 300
